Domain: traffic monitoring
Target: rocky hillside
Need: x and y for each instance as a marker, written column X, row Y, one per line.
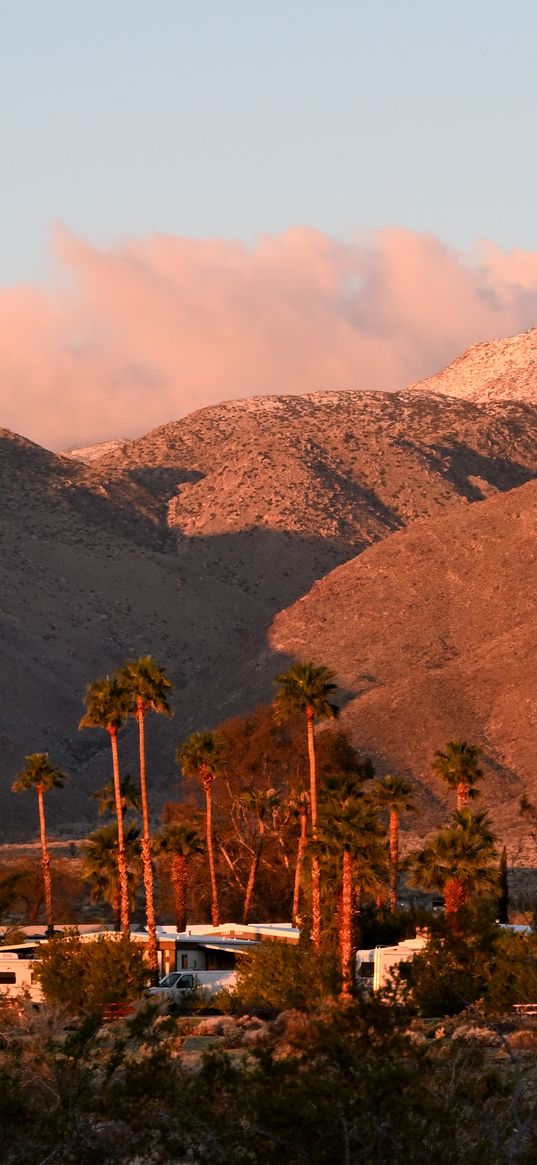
column 187, row 542
column 433, row 635
column 493, row 371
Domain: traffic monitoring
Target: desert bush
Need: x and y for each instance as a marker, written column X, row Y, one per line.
column 85, row 977
column 281, row 977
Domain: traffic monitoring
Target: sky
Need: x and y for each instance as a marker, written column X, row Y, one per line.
column 200, row 201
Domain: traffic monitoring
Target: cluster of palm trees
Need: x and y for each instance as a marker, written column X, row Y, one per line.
column 348, row 828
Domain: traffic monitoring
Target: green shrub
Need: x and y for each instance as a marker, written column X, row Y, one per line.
column 88, row 976
column 279, row 976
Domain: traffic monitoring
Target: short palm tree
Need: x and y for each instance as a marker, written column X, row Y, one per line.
column 107, row 706
column 129, row 795
column 394, row 795
column 100, row 864
column 178, row 842
column 199, row 756
column 41, row 775
column 460, row 860
column 459, row 767
column 351, row 835
column 148, row 687
column 307, row 689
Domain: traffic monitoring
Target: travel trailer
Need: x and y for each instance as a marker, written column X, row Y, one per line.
column 17, row 972
column 375, row 967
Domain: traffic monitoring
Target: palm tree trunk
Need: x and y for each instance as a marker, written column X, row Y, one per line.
column 152, row 953
column 302, row 843
column 121, row 854
column 454, row 896
column 45, row 859
column 315, row 868
column 179, row 884
column 462, row 795
column 346, row 934
column 215, row 914
column 394, row 858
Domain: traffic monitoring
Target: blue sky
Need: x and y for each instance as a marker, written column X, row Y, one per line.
column 211, row 119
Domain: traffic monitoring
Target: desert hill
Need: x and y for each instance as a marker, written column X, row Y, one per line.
column 188, row 541
column 433, row 635
column 492, row 371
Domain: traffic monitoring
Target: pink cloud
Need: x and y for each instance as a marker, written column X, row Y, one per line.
column 130, row 337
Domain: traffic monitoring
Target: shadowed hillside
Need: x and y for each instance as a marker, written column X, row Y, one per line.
column 187, row 542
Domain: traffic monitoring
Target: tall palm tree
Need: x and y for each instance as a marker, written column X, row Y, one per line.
column 307, row 689
column 459, row 767
column 148, row 687
column 460, row 860
column 41, row 775
column 394, row 795
column 107, row 706
column 351, row 835
column 199, row 756
column 178, row 842
column 100, row 864
column 299, row 805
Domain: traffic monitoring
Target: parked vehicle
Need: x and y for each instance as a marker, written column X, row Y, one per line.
column 17, row 976
column 375, row 967
column 178, row 985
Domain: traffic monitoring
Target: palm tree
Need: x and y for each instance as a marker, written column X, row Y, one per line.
column 148, row 687
column 39, row 774
column 178, row 842
column 393, row 794
column 460, row 861
column 129, row 796
column 107, row 706
column 459, row 767
column 351, row 835
column 299, row 805
column 199, row 756
column 101, row 869
column 306, row 688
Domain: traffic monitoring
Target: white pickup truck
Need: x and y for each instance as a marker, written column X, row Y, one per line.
column 179, row 984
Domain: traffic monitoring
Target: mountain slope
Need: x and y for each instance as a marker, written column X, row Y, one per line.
column 187, row 542
column 492, row 371
column 433, row 636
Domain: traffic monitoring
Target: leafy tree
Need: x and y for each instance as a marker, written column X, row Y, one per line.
column 460, row 861
column 459, row 767
column 100, row 865
column 177, row 842
column 148, row 687
column 394, row 795
column 107, row 706
column 260, row 805
column 306, row 688
column 41, row 775
column 199, row 756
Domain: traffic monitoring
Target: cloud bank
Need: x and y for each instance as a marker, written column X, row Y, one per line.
column 132, row 336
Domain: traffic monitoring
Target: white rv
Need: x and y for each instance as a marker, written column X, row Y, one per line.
column 374, row 967
column 17, row 977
